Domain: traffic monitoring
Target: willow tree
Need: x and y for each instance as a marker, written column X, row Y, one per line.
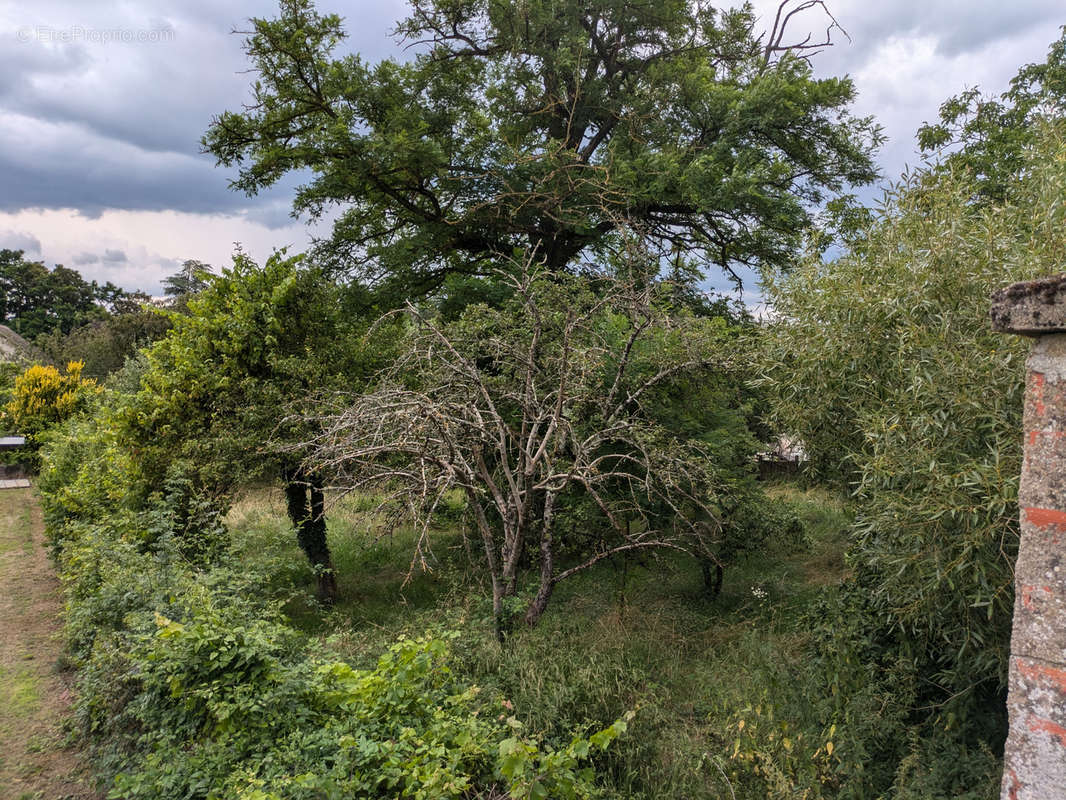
column 886, row 367
column 989, row 137
column 547, row 126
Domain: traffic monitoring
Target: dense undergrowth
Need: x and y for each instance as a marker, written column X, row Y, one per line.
column 193, row 684
column 716, row 683
column 207, row 669
column 778, row 688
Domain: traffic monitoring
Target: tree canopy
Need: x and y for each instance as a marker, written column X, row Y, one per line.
column 988, row 136
column 546, row 126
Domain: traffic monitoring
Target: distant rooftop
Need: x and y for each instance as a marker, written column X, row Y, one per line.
column 14, row 348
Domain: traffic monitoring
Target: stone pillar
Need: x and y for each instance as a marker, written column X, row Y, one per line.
column 1035, row 759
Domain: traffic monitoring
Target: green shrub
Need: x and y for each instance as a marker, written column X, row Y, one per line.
column 192, row 684
column 263, row 727
column 43, row 397
column 87, row 472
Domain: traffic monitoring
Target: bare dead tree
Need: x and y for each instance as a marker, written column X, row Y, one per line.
column 516, row 408
column 788, row 11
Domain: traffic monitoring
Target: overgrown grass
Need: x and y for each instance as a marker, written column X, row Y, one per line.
column 630, row 634
column 379, row 587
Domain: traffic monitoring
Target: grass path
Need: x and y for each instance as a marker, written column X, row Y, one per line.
column 34, row 695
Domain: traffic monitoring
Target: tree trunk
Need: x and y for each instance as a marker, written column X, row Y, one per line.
column 712, row 582
column 539, row 603
column 307, row 510
column 498, row 622
column 490, row 558
column 511, row 555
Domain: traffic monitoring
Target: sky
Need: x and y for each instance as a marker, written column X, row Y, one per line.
column 102, row 106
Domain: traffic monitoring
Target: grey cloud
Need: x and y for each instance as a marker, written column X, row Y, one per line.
column 86, row 258
column 170, row 264
column 909, row 56
column 96, row 188
column 117, row 126
column 276, row 214
column 63, row 166
column 958, row 25
column 158, row 96
column 21, row 60
column 20, row 240
column 134, row 100
column 114, row 257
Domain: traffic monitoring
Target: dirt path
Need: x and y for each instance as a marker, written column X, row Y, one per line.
column 35, row 763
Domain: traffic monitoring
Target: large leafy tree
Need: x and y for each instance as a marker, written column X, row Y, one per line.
column 885, row 364
column 546, row 125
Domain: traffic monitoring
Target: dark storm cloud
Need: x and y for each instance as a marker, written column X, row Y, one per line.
column 106, row 124
column 48, row 165
column 94, row 184
column 18, row 63
column 97, row 125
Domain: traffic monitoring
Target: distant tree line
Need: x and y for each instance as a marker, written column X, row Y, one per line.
column 73, row 319
column 35, row 300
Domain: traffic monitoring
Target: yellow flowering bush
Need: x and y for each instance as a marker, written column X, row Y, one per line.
column 44, row 396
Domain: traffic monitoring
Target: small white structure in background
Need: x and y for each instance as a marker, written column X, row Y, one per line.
column 15, row 349
column 786, row 454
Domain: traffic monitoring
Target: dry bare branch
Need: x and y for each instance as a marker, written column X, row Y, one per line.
column 520, row 408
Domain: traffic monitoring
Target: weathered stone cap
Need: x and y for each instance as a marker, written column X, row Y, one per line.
column 1031, row 308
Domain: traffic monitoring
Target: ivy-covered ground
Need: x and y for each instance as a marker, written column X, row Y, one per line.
column 35, row 760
